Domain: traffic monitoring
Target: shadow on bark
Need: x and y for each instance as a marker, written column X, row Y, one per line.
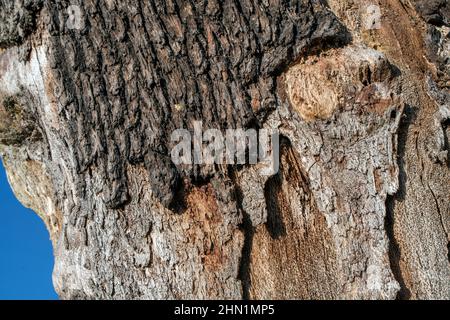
column 275, row 225
column 394, row 248
column 273, row 194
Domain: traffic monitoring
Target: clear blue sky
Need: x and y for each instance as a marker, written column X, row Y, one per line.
column 26, row 257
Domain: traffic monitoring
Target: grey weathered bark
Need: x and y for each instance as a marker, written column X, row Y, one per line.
column 359, row 208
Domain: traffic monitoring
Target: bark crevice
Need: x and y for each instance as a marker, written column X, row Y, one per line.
column 275, row 225
column 394, row 250
column 248, row 230
column 409, row 114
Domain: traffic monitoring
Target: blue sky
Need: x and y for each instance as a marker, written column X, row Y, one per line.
column 26, row 257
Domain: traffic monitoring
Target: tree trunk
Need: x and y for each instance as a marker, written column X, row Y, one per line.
column 91, row 91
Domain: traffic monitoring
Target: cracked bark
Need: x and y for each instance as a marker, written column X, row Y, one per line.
column 359, row 208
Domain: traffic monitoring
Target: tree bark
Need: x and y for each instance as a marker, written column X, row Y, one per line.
column 359, row 208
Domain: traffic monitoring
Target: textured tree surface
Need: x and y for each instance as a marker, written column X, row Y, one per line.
column 359, row 208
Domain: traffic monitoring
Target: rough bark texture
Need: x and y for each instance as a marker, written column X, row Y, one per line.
column 359, row 208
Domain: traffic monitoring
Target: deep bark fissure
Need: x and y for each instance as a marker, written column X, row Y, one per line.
column 275, row 225
column 394, row 250
column 248, row 230
column 408, row 117
column 245, row 264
